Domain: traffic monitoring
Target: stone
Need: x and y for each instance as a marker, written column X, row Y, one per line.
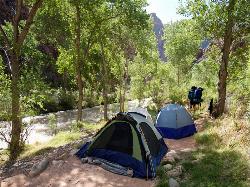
column 169, row 159
column 194, row 161
column 173, row 183
column 176, row 172
column 168, row 167
column 130, row 172
column 39, row 168
column 187, row 150
column 173, row 154
column 84, row 160
column 90, row 160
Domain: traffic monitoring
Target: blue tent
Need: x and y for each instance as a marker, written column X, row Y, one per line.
column 175, row 122
column 129, row 141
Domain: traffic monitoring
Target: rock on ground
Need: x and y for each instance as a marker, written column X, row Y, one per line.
column 176, row 172
column 173, row 183
column 39, row 168
column 168, row 167
column 169, row 159
column 173, row 154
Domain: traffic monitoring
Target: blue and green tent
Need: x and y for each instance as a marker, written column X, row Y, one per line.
column 175, row 122
column 130, row 141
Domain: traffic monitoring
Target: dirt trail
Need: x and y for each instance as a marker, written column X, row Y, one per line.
column 186, row 143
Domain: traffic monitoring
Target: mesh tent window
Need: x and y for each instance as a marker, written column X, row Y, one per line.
column 117, row 137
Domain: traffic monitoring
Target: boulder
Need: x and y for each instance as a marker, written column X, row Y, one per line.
column 39, row 168
column 173, row 183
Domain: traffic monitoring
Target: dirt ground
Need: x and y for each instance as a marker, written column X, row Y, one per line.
column 73, row 173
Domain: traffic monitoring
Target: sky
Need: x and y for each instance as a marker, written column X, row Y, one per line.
column 165, row 10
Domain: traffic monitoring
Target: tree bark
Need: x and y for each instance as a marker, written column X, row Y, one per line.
column 78, row 64
column 123, row 92
column 105, row 84
column 121, row 98
column 223, row 73
column 16, row 118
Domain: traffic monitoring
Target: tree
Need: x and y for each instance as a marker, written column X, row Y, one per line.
column 226, row 22
column 182, row 43
column 15, row 45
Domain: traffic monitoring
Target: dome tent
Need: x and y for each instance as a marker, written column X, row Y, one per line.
column 130, row 141
column 143, row 111
column 175, row 122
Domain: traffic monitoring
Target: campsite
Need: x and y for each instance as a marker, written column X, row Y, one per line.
column 124, row 93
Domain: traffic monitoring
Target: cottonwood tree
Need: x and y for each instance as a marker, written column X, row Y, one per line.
column 20, row 30
column 226, row 23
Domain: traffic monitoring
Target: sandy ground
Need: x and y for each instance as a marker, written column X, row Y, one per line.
column 73, row 173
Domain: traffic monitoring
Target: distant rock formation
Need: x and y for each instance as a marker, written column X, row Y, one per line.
column 158, row 30
column 7, row 11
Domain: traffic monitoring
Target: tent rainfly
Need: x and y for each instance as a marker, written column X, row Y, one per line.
column 128, row 142
column 175, row 122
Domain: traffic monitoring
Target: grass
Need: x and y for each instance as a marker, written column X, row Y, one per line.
column 62, row 138
column 162, row 178
column 222, row 168
column 222, row 158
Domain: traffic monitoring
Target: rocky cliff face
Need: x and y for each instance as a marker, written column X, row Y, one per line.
column 158, row 30
column 7, row 11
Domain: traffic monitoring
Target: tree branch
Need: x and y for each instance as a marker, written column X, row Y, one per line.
column 5, row 37
column 16, row 18
column 4, row 137
column 29, row 21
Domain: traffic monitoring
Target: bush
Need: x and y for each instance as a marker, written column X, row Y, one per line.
column 58, row 100
column 67, row 101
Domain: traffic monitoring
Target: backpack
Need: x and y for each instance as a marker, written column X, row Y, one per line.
column 191, row 95
column 198, row 95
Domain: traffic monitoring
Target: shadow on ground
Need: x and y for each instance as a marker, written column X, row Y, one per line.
column 227, row 168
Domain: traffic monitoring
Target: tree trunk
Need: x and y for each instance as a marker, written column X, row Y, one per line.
column 121, row 98
column 104, row 84
column 123, row 93
column 222, row 84
column 78, row 64
column 16, row 117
